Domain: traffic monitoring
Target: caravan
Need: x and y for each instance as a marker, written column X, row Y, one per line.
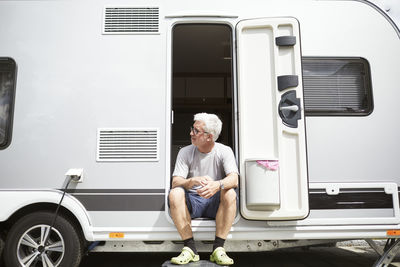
column 97, row 97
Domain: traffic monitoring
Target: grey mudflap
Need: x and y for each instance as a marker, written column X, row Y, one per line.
column 200, row 263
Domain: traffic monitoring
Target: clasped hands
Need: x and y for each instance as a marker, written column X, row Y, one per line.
column 209, row 186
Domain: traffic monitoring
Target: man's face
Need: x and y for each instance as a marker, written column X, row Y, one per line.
column 197, row 135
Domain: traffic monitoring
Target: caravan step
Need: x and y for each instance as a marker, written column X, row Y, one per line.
column 200, row 263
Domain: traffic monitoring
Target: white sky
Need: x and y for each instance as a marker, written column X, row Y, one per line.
column 392, row 8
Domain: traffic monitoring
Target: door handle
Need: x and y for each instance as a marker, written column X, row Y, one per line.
column 293, row 108
column 289, row 109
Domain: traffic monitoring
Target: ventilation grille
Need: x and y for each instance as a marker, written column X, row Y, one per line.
column 127, row 145
column 131, row 20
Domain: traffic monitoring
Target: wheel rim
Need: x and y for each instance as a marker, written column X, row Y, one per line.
column 32, row 252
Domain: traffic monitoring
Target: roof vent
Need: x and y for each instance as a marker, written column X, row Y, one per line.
column 131, row 20
column 127, row 144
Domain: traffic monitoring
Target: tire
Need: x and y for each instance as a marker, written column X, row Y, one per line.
column 24, row 243
column 1, row 250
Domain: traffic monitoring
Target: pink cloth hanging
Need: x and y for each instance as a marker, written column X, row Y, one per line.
column 272, row 165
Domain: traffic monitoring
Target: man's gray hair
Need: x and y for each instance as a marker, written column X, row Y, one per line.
column 213, row 124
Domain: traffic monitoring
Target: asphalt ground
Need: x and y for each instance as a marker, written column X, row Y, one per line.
column 354, row 256
column 342, row 255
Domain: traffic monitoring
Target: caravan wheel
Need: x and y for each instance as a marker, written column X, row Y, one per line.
column 25, row 242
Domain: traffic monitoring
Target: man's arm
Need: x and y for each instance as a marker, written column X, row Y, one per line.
column 211, row 187
column 230, row 181
column 178, row 181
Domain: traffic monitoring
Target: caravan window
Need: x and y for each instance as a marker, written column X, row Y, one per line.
column 337, row 86
column 7, row 87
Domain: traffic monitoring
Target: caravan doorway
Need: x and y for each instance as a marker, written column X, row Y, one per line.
column 201, row 80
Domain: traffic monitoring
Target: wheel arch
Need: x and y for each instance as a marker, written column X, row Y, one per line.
column 33, row 201
column 43, row 206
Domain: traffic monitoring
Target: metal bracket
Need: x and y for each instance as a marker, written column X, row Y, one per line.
column 375, row 246
column 391, row 250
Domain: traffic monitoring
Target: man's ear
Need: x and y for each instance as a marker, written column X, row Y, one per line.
column 210, row 137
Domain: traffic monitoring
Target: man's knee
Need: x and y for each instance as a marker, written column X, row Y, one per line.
column 228, row 196
column 176, row 195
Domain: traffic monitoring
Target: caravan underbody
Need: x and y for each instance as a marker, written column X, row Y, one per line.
column 92, row 116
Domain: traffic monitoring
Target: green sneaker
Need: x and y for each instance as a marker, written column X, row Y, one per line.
column 219, row 257
column 187, row 255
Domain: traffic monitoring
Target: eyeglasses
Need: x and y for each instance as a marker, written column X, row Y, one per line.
column 195, row 131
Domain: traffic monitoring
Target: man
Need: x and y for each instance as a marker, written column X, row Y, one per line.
column 203, row 185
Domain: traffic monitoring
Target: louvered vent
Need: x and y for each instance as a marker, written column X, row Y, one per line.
column 131, row 20
column 127, row 145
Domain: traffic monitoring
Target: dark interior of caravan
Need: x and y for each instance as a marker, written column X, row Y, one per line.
column 201, row 80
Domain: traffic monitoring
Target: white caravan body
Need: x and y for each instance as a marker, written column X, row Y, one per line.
column 96, row 91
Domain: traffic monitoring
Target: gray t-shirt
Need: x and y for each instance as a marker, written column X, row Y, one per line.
column 217, row 164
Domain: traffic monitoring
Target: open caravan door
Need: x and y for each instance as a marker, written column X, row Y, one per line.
column 272, row 142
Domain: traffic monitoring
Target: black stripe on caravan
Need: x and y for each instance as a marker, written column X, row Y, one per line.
column 154, row 199
column 122, row 202
column 117, row 191
column 120, row 199
column 348, row 199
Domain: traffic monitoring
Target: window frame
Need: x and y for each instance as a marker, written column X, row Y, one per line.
column 10, row 120
column 368, row 88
